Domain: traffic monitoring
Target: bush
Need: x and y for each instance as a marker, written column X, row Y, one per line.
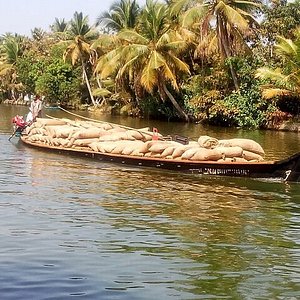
column 59, row 83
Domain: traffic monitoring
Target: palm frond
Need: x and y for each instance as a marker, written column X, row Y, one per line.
column 286, row 47
column 108, row 64
column 170, row 76
column 101, row 92
column 267, row 73
column 232, row 16
column 177, row 6
column 269, row 93
column 179, row 64
column 149, row 78
column 132, row 36
column 193, row 15
column 156, row 60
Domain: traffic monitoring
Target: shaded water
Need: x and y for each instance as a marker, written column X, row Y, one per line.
column 72, row 227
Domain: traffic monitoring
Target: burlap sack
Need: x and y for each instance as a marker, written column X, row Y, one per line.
column 38, row 130
column 116, row 129
column 230, row 152
column 94, row 146
column 116, row 136
column 252, row 156
column 207, row 142
column 135, row 134
column 203, row 154
column 93, row 132
column 136, row 152
column 64, row 131
column 107, row 147
column 43, row 122
column 119, row 147
column 84, row 142
column 168, row 151
column 246, row 144
column 132, row 146
column 188, row 154
column 144, row 148
column 159, row 146
column 62, row 142
column 178, row 151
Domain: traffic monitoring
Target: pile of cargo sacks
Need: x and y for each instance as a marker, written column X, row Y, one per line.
column 120, row 140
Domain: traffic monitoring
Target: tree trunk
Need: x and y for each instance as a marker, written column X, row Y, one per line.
column 100, row 87
column 88, row 84
column 234, row 76
column 225, row 49
column 175, row 104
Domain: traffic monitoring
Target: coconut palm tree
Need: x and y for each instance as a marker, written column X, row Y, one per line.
column 121, row 15
column 59, row 25
column 286, row 81
column 80, row 50
column 149, row 56
column 60, row 29
column 38, row 34
column 11, row 49
column 224, row 24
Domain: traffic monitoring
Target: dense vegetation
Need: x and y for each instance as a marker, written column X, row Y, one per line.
column 232, row 63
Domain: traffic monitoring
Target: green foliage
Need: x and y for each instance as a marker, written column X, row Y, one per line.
column 280, row 20
column 58, row 83
column 49, row 75
column 122, row 14
column 29, row 69
column 245, row 108
column 249, row 109
column 210, row 100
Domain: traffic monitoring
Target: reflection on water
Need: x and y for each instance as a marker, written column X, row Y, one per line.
column 73, row 227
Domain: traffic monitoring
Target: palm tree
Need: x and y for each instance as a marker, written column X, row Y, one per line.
column 121, row 15
column 223, row 24
column 59, row 25
column 60, row 29
column 149, row 56
column 80, row 50
column 11, row 49
column 285, row 82
column 38, row 34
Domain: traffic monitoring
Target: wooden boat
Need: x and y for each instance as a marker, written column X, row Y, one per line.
column 287, row 169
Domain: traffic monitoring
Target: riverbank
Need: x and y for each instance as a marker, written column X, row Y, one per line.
column 19, row 101
column 289, row 125
column 292, row 125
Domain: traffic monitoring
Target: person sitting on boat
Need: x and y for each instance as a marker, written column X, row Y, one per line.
column 35, row 109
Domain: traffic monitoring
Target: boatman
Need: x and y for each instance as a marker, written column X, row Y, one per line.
column 35, row 109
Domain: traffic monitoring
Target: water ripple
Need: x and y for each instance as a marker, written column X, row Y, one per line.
column 71, row 227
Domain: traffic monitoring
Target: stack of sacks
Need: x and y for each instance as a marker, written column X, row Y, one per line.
column 252, row 151
column 81, row 134
column 116, row 140
column 236, row 149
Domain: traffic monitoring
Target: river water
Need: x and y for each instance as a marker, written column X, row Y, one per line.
column 73, row 228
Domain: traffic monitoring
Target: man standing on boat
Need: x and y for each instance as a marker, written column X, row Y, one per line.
column 35, row 109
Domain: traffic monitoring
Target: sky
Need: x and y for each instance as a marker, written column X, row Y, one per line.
column 21, row 16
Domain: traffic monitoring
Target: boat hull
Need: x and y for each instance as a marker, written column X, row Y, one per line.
column 287, row 169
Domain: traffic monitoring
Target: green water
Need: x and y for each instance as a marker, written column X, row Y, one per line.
column 71, row 227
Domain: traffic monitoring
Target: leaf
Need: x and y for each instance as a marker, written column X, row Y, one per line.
column 270, row 93
column 149, row 78
column 101, row 92
column 193, row 14
column 232, row 16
